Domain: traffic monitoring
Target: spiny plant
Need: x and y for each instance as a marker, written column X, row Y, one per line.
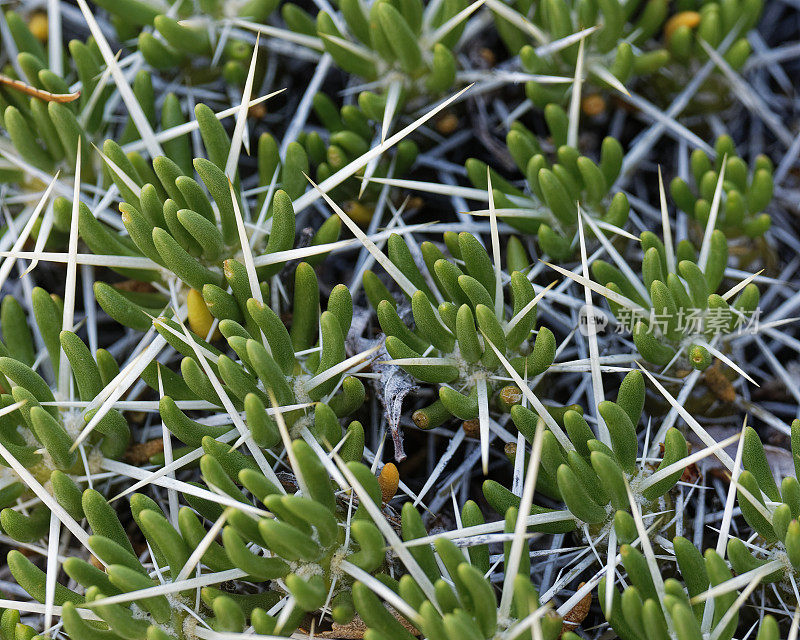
column 699, row 33
column 747, row 191
column 468, row 343
column 501, row 499
column 302, row 545
column 35, row 431
column 312, row 537
column 255, row 386
column 772, row 512
column 615, row 52
column 304, row 368
column 44, row 128
column 191, row 39
column 349, row 135
column 106, row 589
column 655, row 607
column 460, row 601
column 711, row 22
column 674, row 313
column 548, row 206
column 172, row 221
column 600, row 477
column 404, row 50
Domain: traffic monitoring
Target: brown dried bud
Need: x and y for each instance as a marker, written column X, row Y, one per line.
column 578, row 613
column 719, row 385
column 447, row 123
column 141, row 452
column 593, row 105
column 472, row 428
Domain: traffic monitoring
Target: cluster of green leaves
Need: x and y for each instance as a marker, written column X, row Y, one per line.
column 171, row 220
column 645, row 610
column 615, row 53
column 45, row 134
column 297, row 367
column 660, row 307
column 593, row 478
column 771, row 511
column 307, row 536
column 711, row 22
column 463, row 330
column 746, row 193
column 635, row 39
column 187, row 40
column 38, row 434
column 299, row 546
column 392, row 41
column 548, row 206
column 350, row 134
column 157, row 617
column 464, row 602
column 303, row 537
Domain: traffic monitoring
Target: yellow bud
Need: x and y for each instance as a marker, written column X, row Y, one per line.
column 420, row 418
column 38, row 26
column 510, row 395
column 683, row 19
column 360, row 213
column 388, row 481
column 200, row 318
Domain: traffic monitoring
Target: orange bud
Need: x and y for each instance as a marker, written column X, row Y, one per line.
column 683, row 19
column 388, row 481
